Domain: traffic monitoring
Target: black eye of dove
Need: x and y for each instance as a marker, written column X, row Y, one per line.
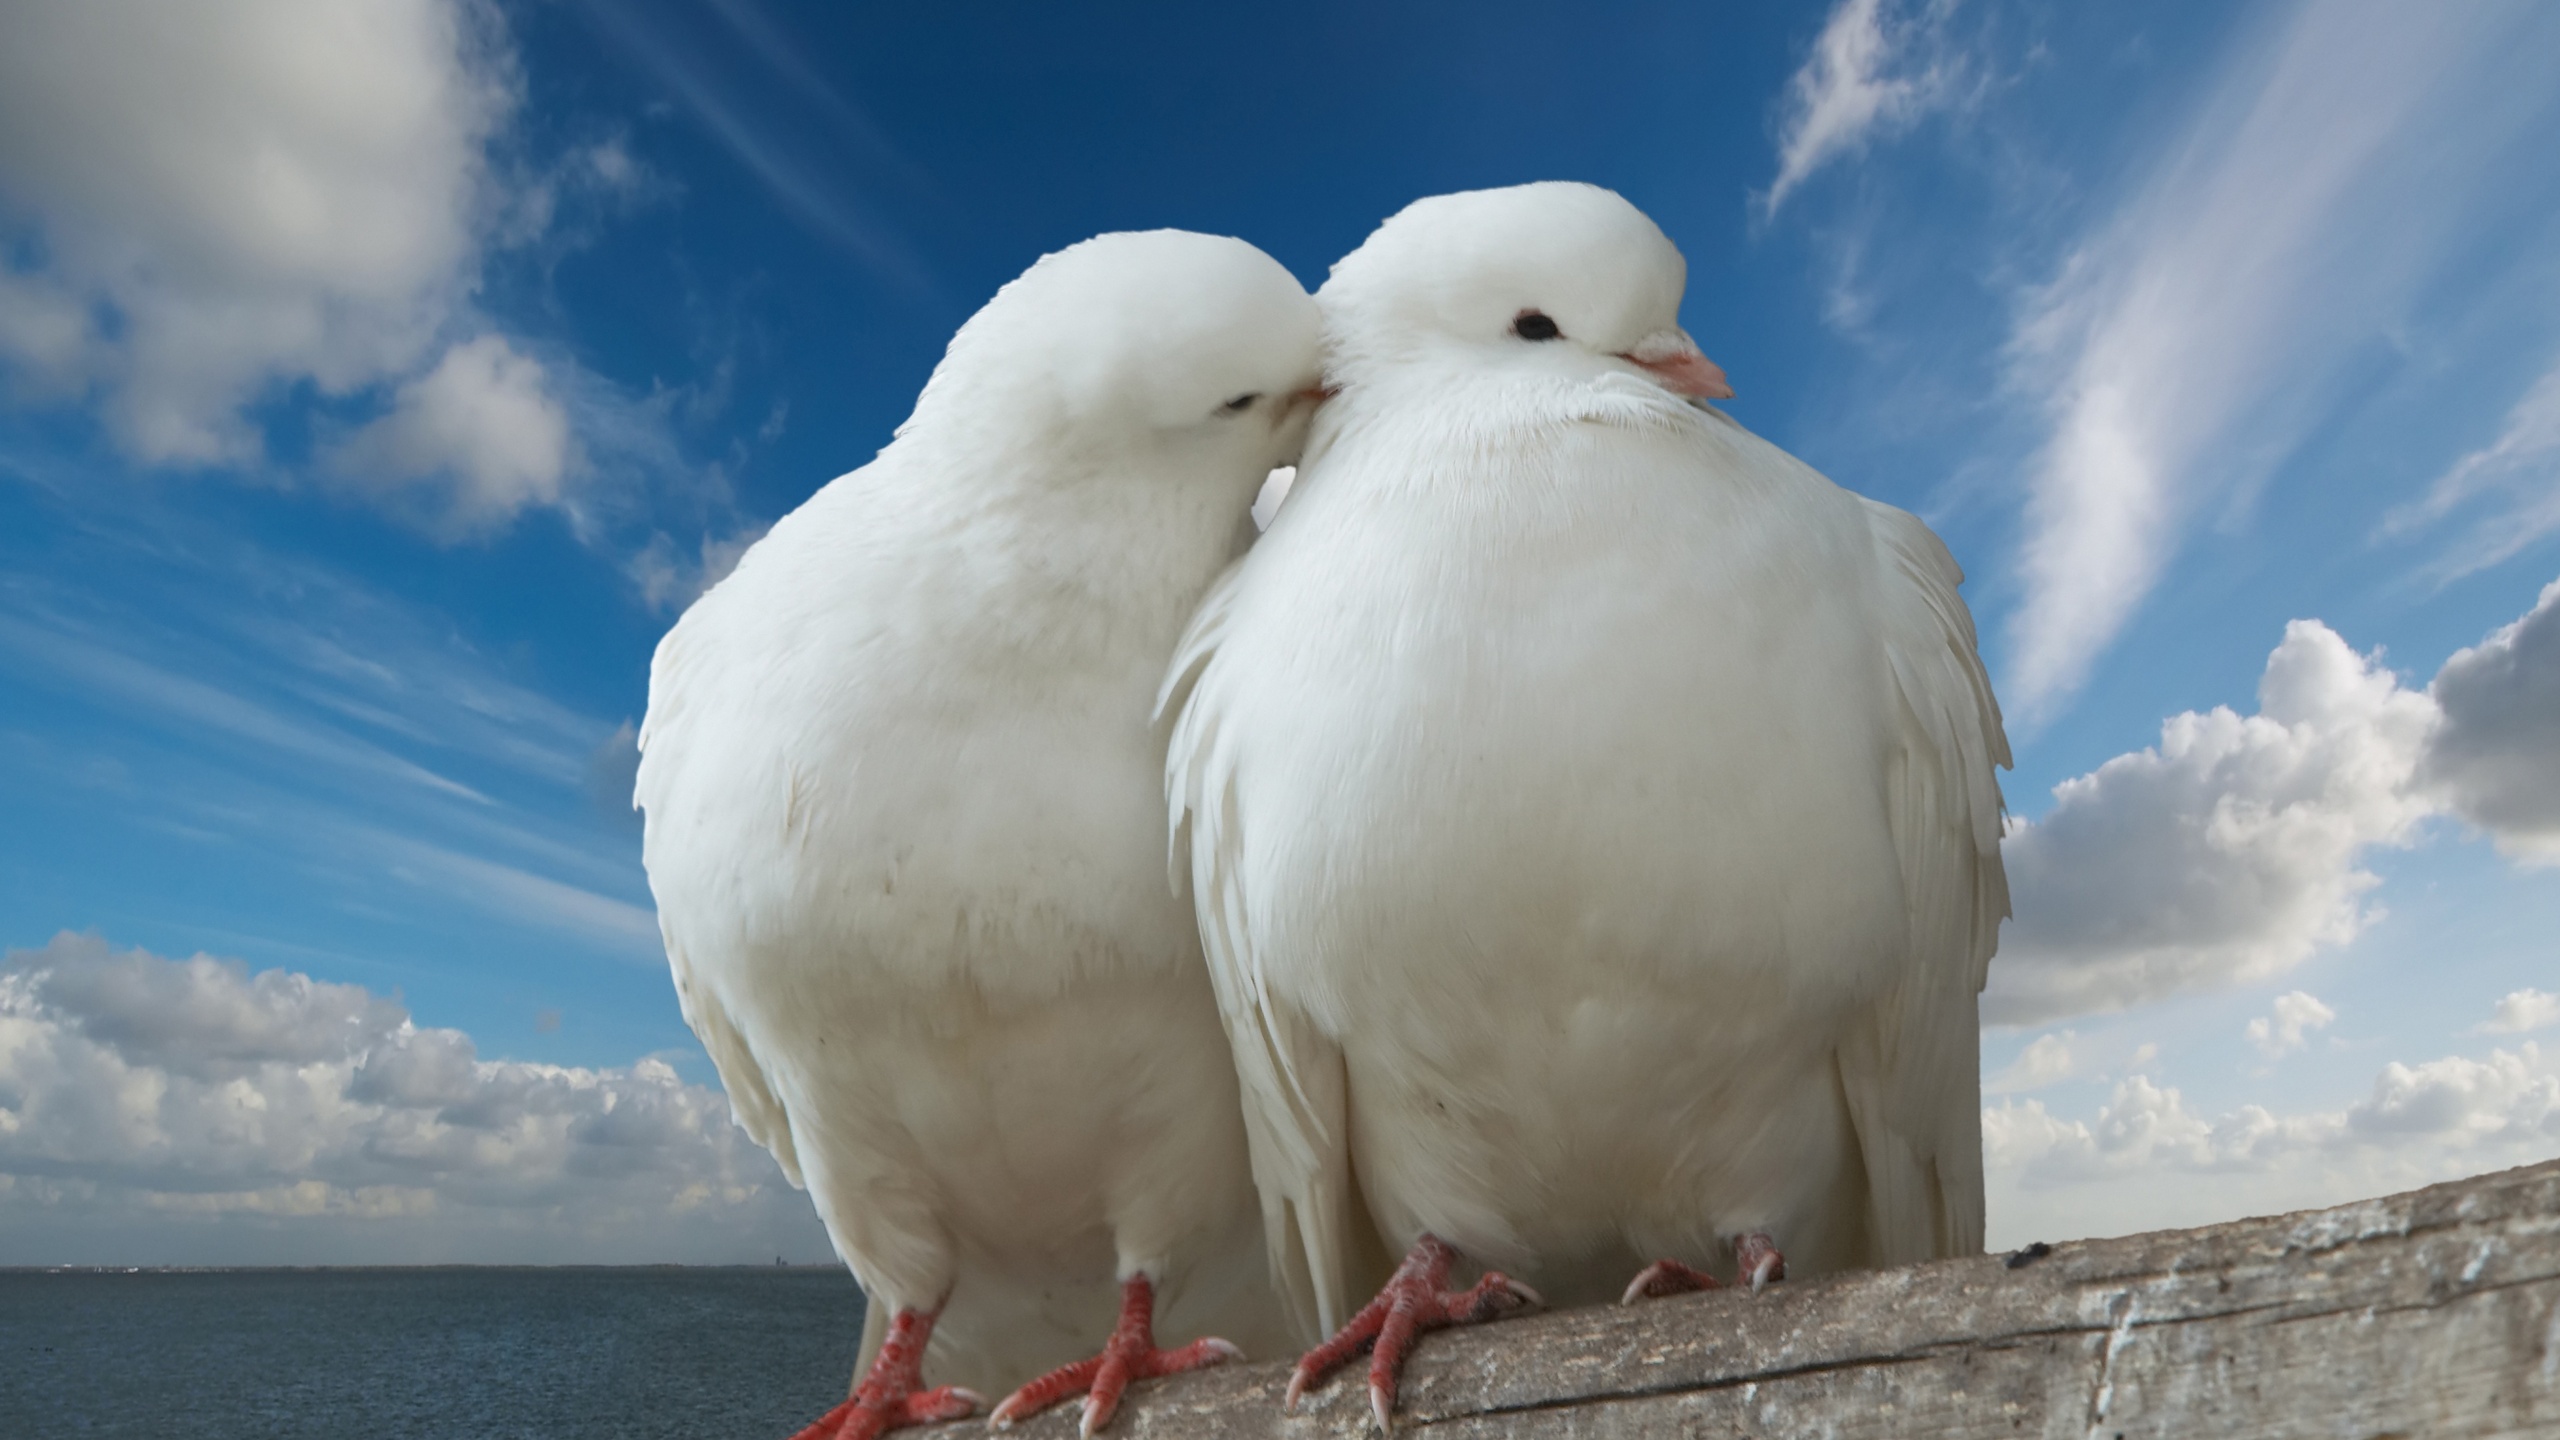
column 1244, row 402
column 1533, row 326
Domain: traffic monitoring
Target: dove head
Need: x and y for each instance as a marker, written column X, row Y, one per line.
column 1195, row 348
column 1556, row 279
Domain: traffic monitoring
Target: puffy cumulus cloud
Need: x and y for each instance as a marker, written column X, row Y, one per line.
column 2230, row 851
column 2296, row 1014
column 2059, row 1177
column 137, row 1091
column 221, row 199
column 210, row 211
column 2522, row 1012
column 2496, row 761
column 2061, row 1055
column 2047, row 1060
column 1872, row 73
column 482, row 428
column 2227, row 852
column 2141, row 1129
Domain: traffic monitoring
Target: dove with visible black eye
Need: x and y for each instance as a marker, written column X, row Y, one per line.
column 1591, row 809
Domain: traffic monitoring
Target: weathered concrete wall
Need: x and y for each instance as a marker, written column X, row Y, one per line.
column 2430, row 1314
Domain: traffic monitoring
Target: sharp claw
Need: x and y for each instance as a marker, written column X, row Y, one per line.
column 1381, row 1404
column 1092, row 1419
column 1225, row 1349
column 1297, row 1387
column 1635, row 1287
column 1525, row 1293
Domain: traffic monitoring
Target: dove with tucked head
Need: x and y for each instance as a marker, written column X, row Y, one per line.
column 905, row 835
column 1590, row 809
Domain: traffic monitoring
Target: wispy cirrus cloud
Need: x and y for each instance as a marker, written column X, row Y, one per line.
column 2191, row 339
column 515, row 893
column 774, row 151
column 103, row 673
column 1873, row 72
column 284, row 711
column 2518, row 472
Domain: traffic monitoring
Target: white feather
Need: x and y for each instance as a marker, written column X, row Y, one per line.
column 1590, row 807
column 899, row 778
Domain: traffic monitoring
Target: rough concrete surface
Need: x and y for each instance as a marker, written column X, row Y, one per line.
column 2434, row 1313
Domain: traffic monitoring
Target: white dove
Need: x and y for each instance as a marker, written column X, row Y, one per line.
column 1592, row 817
column 905, row 832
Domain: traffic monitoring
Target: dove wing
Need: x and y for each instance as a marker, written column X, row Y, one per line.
column 1911, row 1070
column 675, row 706
column 1291, row 1073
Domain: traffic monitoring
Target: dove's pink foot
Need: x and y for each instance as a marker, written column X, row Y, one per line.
column 892, row 1396
column 1667, row 1277
column 1755, row 1255
column 1130, row 1354
column 1411, row 1303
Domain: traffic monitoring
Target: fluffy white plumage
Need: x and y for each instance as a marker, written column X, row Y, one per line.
column 1591, row 808
column 900, row 783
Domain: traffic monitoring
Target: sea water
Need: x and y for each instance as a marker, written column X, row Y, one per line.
column 387, row 1354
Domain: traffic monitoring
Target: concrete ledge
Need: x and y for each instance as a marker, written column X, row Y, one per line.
column 2435, row 1313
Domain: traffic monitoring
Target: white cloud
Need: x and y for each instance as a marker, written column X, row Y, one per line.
column 2522, row 1012
column 2142, row 1129
column 208, row 210
column 2227, row 852
column 201, row 708
column 2061, row 1178
column 522, row 895
column 161, row 1107
column 229, row 198
column 483, row 426
column 774, row 146
column 1868, row 76
column 669, row 580
column 2194, row 338
column 2496, row 760
column 2230, row 851
column 2047, row 1060
column 2297, row 1012
column 2523, row 464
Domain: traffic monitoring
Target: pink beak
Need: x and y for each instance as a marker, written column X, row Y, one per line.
column 1673, row 358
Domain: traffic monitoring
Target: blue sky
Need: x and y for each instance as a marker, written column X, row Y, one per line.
column 377, row 382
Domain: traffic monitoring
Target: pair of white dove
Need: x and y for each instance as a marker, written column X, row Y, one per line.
column 1588, row 812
